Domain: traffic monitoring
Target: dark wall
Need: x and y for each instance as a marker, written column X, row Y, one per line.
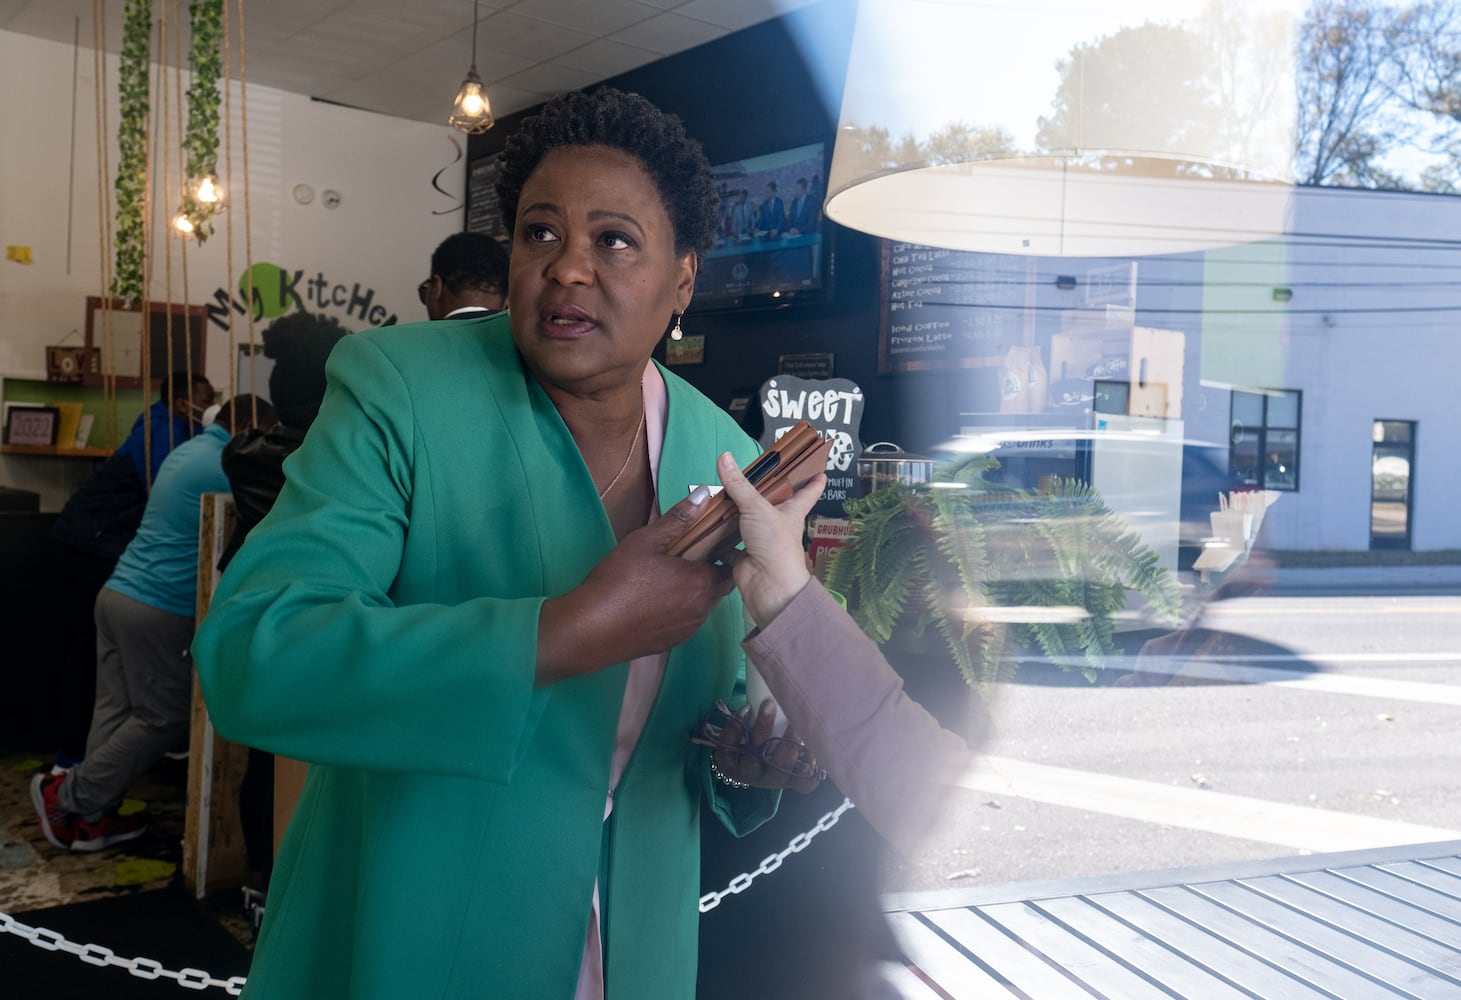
column 757, row 91
column 33, row 623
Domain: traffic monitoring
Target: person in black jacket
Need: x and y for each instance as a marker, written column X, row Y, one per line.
column 299, row 344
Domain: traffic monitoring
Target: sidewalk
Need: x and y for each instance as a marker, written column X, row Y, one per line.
column 1410, row 579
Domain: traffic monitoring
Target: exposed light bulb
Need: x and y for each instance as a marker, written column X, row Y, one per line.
column 471, row 111
column 182, row 224
column 208, row 192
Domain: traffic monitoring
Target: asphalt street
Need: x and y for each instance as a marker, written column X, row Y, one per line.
column 1318, row 714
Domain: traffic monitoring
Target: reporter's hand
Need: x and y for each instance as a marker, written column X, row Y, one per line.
column 773, row 568
column 638, row 600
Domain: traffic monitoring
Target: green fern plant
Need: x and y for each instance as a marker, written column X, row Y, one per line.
column 946, row 555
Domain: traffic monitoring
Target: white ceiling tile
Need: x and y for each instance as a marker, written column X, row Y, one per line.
column 283, row 17
column 407, row 58
column 452, row 10
column 9, row 7
column 598, row 18
column 359, row 40
column 668, row 33
column 605, row 58
column 439, row 69
column 58, row 24
column 548, row 78
column 731, row 14
column 510, row 31
column 506, row 100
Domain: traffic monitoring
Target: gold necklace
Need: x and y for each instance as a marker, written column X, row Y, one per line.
column 633, row 447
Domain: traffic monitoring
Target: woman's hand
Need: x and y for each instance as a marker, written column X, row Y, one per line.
column 762, row 769
column 637, row 601
column 773, row 568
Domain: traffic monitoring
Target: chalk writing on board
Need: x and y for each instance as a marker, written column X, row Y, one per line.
column 948, row 308
column 484, row 213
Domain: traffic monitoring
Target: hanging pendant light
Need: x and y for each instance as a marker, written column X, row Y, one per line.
column 471, row 113
column 1135, row 141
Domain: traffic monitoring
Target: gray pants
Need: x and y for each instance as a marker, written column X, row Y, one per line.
column 144, row 693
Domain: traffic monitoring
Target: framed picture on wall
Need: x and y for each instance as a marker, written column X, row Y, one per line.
column 32, row 425
column 175, row 341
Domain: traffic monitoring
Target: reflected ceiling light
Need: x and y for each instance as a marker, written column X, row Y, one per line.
column 471, row 113
column 1054, row 129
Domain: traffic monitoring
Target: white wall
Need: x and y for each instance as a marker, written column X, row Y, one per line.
column 379, row 238
column 1371, row 333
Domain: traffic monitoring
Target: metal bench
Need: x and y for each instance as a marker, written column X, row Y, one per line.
column 1375, row 923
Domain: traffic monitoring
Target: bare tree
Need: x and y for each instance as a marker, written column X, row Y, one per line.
column 1251, row 61
column 1430, row 84
column 1351, row 62
column 1430, row 72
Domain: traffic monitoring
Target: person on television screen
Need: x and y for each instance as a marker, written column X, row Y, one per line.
column 801, row 215
column 742, row 216
column 771, row 215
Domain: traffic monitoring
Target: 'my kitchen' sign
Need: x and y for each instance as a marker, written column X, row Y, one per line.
column 275, row 291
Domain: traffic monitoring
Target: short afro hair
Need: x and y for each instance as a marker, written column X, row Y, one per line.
column 631, row 124
column 471, row 260
column 299, row 343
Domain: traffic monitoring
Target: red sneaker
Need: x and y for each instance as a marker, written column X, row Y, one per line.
column 109, row 830
column 56, row 823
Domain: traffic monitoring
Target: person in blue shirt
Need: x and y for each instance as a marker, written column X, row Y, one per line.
column 95, row 526
column 144, row 625
column 175, row 417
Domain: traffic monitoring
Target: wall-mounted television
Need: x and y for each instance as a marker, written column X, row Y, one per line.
column 772, row 246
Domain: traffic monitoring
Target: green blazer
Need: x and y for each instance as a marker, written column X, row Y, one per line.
column 381, row 624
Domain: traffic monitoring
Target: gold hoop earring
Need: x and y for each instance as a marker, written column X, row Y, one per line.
column 677, row 333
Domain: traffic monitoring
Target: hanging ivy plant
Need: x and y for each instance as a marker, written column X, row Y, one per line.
column 200, row 142
column 131, row 184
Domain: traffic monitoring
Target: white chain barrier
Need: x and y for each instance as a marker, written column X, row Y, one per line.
column 771, row 862
column 197, row 979
column 91, row 954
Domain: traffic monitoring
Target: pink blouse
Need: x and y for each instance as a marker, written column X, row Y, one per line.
column 645, row 674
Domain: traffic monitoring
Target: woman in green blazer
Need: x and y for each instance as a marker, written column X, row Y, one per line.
column 461, row 614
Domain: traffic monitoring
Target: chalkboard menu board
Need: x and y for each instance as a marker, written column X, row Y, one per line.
column 484, row 214
column 948, row 308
